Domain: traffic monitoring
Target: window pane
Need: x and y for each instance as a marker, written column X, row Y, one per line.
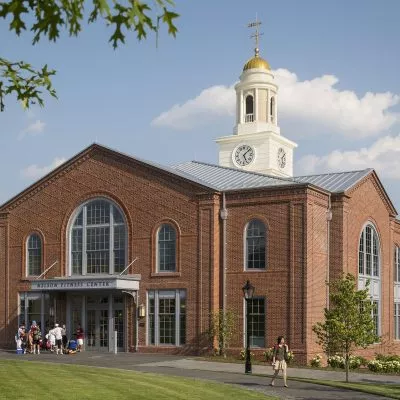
column 257, row 322
column 119, row 248
column 166, row 248
column 151, row 321
column 98, row 244
column 167, row 321
column 98, row 212
column 34, row 255
column 368, row 253
column 76, row 251
column 182, row 321
column 255, row 245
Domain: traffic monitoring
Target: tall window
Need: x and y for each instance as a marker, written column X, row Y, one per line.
column 166, row 244
column 396, row 279
column 255, row 245
column 368, row 259
column 396, row 266
column 98, row 239
column 272, row 109
column 34, row 255
column 256, row 321
column 167, row 317
column 369, row 269
column 249, row 108
column 397, row 320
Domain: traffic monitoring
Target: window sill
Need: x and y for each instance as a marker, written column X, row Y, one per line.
column 165, row 274
column 255, row 270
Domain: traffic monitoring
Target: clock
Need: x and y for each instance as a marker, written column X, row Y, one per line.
column 281, row 158
column 243, row 155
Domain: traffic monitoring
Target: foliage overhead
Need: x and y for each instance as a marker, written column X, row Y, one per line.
column 45, row 18
column 348, row 322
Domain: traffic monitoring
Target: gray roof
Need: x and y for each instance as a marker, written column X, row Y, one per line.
column 336, row 182
column 223, row 178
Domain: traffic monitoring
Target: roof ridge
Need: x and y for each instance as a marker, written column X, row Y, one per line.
column 239, row 170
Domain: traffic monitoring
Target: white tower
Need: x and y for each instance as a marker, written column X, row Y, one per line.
column 256, row 144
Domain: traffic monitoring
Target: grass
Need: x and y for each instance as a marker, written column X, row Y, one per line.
column 387, row 390
column 47, row 381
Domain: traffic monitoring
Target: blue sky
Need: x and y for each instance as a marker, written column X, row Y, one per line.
column 337, row 63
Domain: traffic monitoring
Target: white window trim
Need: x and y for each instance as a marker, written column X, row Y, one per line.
column 375, row 287
column 70, row 226
column 157, row 249
column 157, row 296
column 27, row 274
column 245, row 247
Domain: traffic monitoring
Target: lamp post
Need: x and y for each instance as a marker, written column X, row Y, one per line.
column 248, row 291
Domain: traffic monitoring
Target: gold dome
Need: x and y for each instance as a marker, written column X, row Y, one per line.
column 256, row 62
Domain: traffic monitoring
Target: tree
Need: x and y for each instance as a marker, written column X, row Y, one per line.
column 222, row 328
column 47, row 18
column 348, row 322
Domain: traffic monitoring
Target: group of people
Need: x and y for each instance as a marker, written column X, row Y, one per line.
column 31, row 340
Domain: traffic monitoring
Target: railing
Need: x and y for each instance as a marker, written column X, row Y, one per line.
column 249, row 118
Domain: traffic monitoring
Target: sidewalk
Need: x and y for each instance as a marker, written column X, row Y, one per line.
column 190, row 363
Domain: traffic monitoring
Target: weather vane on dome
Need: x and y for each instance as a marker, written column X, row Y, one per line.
column 257, row 33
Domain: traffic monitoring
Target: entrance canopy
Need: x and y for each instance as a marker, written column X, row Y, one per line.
column 123, row 282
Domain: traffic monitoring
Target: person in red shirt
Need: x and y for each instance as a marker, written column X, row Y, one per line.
column 79, row 337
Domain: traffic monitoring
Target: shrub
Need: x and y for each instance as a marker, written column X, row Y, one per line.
column 338, row 361
column 384, row 366
column 268, row 354
column 243, row 354
column 316, row 361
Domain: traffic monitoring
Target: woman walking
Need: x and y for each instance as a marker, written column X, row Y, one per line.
column 279, row 360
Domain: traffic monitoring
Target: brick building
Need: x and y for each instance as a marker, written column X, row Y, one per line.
column 120, row 244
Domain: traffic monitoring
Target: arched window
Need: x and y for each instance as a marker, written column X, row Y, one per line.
column 369, row 269
column 255, row 245
column 272, row 109
column 97, row 239
column 396, row 279
column 34, row 255
column 249, row 108
column 166, row 248
column 368, row 254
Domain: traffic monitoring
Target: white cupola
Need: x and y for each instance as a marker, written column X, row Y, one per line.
column 257, row 144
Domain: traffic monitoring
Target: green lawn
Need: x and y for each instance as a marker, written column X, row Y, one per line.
column 47, row 381
column 392, row 391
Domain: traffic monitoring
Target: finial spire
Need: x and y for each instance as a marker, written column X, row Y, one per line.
column 256, row 35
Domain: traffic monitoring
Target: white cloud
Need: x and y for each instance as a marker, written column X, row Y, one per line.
column 383, row 155
column 34, row 171
column 311, row 101
column 33, row 129
column 210, row 103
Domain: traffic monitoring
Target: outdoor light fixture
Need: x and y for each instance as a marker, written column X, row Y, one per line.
column 248, row 291
column 142, row 311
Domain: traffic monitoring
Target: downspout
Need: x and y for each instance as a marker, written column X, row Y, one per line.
column 223, row 213
column 224, row 216
column 328, row 237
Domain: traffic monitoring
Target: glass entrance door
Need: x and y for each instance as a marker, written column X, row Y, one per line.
column 97, row 330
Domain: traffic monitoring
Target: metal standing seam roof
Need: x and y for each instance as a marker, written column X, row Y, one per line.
column 224, row 178
column 336, row 182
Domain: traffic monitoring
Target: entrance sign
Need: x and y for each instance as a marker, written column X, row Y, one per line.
column 130, row 282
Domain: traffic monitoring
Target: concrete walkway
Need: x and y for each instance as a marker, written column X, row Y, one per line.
column 221, row 372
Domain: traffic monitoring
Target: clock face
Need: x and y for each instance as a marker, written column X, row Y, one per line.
column 243, row 155
column 281, row 158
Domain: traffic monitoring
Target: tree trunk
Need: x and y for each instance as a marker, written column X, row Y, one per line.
column 347, row 367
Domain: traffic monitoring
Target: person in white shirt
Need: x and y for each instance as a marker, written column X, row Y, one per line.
column 57, row 331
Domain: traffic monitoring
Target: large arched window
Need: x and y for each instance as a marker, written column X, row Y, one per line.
column 34, row 255
column 249, row 108
column 166, row 248
column 255, row 245
column 97, row 239
column 369, row 269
